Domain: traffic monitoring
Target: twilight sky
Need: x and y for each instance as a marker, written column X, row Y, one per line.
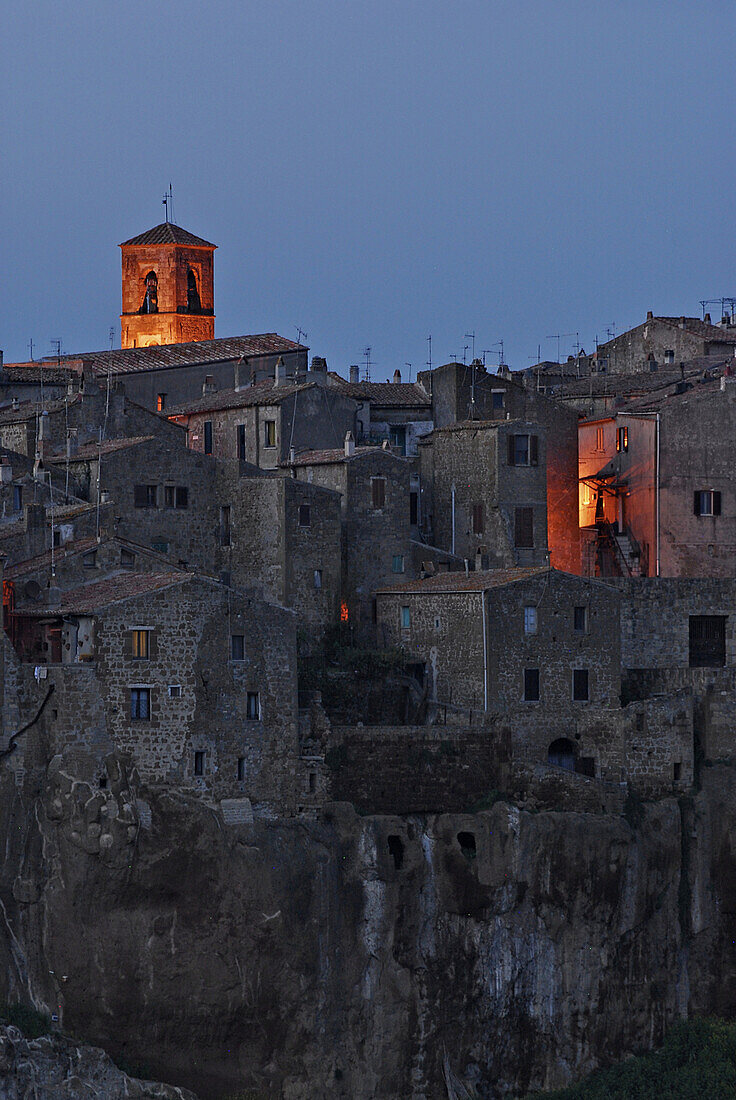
column 372, row 172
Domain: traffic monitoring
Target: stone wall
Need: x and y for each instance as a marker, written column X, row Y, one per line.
column 655, row 615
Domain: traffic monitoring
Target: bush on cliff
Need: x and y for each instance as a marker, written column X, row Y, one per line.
column 33, row 1024
column 697, row 1060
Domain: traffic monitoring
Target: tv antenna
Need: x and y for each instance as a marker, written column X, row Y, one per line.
column 560, row 336
column 367, row 354
column 168, row 202
column 112, row 337
column 30, row 345
column 409, row 366
column 299, row 333
column 471, row 336
column 611, row 330
column 499, row 346
column 429, row 352
column 56, row 345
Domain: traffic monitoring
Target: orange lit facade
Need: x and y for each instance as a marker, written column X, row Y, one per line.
column 168, row 288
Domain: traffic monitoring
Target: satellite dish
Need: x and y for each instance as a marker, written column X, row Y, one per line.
column 32, row 589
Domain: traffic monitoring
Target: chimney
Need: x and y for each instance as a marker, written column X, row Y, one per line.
column 354, row 372
column 319, row 364
column 397, row 377
column 650, row 315
column 349, row 445
column 279, row 373
column 208, row 386
column 682, row 322
column 706, row 319
column 240, row 372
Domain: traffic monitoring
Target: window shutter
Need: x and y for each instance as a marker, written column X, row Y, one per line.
column 512, row 448
column 533, row 450
column 128, row 643
column 152, row 644
column 716, row 504
column 696, row 503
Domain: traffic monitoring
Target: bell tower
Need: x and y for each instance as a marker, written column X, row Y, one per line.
column 168, row 288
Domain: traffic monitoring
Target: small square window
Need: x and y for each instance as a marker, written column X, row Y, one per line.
column 237, row 647
column 174, row 691
column 530, row 620
column 139, row 645
column 397, row 563
column 199, row 761
column 144, row 496
column 405, row 618
column 140, row 704
column 304, row 515
column 580, row 620
column 253, row 706
column 89, row 561
column 580, row 685
column 241, row 769
column 318, row 578
column 707, row 502
column 531, row 685
column 269, row 433
column 127, row 559
column 208, row 437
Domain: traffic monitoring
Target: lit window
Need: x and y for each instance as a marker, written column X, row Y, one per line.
column 269, row 436
column 318, row 578
column 208, row 437
column 237, row 647
column 622, row 439
column 199, row 760
column 344, row 613
column 139, row 645
column 378, row 491
column 304, row 515
column 531, row 685
column 397, row 563
column 160, row 402
column 707, row 502
column 140, row 704
column 405, row 618
column 580, row 620
column 530, row 620
column 253, row 706
column 580, row 685
column 599, row 439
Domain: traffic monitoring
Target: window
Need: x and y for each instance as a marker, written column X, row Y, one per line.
column 397, row 563
column 57, row 537
column 208, row 437
column 413, row 508
column 405, row 618
column 160, row 402
column 318, row 578
column 580, row 685
column 194, row 304
column 707, row 641
column 530, row 620
column 144, row 496
column 168, row 496
column 182, row 496
column 140, row 704
column 269, row 433
column 524, row 528
column 599, row 440
column 241, row 442
column 199, row 763
column 622, row 439
column 237, row 647
column 253, row 706
column 497, row 399
column 127, row 559
column 304, row 516
column 561, row 754
column 225, row 525
column 477, row 519
column 523, row 450
column 174, row 691
column 139, row 650
column 17, row 498
column 531, row 685
column 89, row 561
column 397, row 437
column 580, row 620
column 150, row 299
column 241, row 769
column 378, row 491
column 707, row 502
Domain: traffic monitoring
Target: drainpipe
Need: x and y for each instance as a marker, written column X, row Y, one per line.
column 453, row 517
column 485, row 651
column 657, row 496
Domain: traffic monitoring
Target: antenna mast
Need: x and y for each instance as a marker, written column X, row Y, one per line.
column 367, row 353
column 168, row 202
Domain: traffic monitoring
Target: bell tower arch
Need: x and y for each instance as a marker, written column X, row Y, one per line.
column 168, row 288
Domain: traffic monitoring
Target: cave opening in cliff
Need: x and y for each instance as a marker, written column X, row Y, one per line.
column 396, row 850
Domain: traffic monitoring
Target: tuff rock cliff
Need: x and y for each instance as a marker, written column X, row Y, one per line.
column 362, row 957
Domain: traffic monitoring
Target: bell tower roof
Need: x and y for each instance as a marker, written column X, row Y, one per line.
column 168, row 233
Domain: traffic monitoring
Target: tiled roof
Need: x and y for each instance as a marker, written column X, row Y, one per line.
column 474, row 425
column 30, row 565
column 33, row 372
column 389, row 394
column 333, row 455
column 636, row 384
column 28, row 410
column 93, row 450
column 59, row 512
column 262, row 393
column 700, row 328
column 114, row 589
column 168, row 233
column 225, row 350
column 460, row 581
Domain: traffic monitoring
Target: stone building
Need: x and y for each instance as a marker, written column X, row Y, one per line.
column 374, row 487
column 461, row 393
column 665, row 342
column 657, row 492
column 262, row 423
column 195, row 681
column 168, row 279
column 399, row 412
column 484, row 491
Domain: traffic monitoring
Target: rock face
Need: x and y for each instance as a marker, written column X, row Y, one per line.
column 353, row 956
column 53, row 1068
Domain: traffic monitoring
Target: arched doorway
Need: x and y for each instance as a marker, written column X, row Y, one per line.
column 561, row 753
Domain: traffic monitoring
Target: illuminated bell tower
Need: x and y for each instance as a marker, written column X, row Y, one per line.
column 168, row 288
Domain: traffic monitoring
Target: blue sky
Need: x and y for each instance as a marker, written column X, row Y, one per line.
column 372, row 172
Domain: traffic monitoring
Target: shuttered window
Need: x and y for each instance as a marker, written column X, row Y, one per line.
column 707, row 641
